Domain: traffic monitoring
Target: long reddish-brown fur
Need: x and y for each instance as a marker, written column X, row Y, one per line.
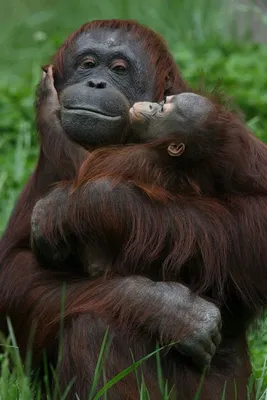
column 205, row 199
column 30, row 295
column 212, row 218
column 228, row 223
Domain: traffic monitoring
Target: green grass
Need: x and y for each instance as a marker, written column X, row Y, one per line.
column 17, row 382
column 27, row 27
column 207, row 45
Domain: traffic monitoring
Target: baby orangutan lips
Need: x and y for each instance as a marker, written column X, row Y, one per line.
column 145, row 111
column 135, row 116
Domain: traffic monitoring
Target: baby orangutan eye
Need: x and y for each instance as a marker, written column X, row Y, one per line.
column 161, row 103
column 175, row 149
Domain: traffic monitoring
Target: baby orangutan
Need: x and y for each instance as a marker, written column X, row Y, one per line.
column 125, row 209
column 153, row 165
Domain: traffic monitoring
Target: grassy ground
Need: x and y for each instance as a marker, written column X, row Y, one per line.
column 207, row 43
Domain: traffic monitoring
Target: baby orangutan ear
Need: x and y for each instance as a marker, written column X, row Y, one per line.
column 175, row 149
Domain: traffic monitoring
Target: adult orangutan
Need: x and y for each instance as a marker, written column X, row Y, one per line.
column 199, row 171
column 100, row 71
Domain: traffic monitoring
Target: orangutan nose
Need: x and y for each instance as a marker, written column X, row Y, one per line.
column 97, row 84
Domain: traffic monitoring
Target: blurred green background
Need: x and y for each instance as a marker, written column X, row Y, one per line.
column 212, row 40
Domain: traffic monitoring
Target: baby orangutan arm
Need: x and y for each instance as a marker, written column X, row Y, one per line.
column 168, row 310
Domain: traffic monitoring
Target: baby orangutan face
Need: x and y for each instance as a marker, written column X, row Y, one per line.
column 176, row 118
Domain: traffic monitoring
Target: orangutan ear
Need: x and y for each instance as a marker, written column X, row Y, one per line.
column 176, row 150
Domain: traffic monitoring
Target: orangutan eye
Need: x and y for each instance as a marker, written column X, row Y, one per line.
column 119, row 66
column 88, row 63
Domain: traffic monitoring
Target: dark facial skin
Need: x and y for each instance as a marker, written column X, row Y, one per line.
column 179, row 117
column 105, row 73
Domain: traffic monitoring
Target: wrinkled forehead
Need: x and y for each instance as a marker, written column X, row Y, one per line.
column 110, row 41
